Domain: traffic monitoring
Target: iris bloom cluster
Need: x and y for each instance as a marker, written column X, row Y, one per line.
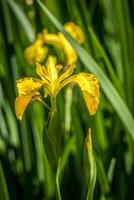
column 52, row 81
column 38, row 51
column 52, row 76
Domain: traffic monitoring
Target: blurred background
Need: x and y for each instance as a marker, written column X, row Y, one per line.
column 108, row 26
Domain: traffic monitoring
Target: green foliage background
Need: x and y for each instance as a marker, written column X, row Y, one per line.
column 109, row 31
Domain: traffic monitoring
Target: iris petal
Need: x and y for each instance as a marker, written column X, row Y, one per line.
column 21, row 103
column 89, row 85
column 27, row 89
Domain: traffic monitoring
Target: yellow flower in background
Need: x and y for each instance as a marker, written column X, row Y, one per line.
column 59, row 40
column 52, row 81
column 51, row 38
column 75, row 31
column 36, row 52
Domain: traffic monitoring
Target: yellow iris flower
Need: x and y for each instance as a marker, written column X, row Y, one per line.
column 52, row 81
column 37, row 51
column 62, row 43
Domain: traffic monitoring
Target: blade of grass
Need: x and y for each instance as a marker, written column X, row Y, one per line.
column 89, row 167
column 102, row 176
column 100, row 131
column 110, row 41
column 109, row 67
column 25, row 146
column 68, row 104
column 108, row 88
column 10, row 119
column 69, row 149
column 57, row 182
column 124, row 32
column 111, row 169
column 77, row 17
column 3, row 186
column 22, row 19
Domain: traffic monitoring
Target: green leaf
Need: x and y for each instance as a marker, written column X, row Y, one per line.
column 108, row 88
column 51, row 140
column 102, row 176
column 89, row 167
column 57, row 181
column 70, row 148
column 11, row 122
column 52, row 137
column 102, row 54
column 3, row 186
column 22, row 19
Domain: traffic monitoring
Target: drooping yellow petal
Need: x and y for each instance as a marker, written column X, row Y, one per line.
column 90, row 88
column 27, row 90
column 21, row 103
column 75, row 31
column 27, row 85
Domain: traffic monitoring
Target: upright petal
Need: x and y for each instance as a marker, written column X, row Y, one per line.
column 43, row 73
column 48, row 74
column 90, row 88
column 51, row 68
column 67, row 73
column 64, row 76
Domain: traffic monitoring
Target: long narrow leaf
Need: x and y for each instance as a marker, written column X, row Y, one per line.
column 3, row 186
column 89, row 166
column 22, row 19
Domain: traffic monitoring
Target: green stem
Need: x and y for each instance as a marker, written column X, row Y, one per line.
column 53, row 106
column 56, row 173
column 58, row 195
column 92, row 179
column 45, row 104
